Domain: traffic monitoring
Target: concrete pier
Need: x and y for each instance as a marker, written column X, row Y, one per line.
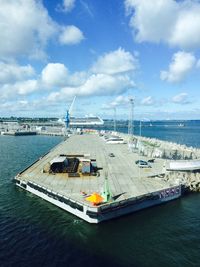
column 128, row 183
column 123, row 174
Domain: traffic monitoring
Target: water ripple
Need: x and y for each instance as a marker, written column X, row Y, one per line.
column 35, row 233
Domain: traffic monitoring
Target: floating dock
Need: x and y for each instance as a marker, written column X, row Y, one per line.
column 131, row 188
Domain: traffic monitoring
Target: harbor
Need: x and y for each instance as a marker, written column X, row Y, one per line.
column 125, row 186
column 99, row 133
column 99, row 175
column 30, row 222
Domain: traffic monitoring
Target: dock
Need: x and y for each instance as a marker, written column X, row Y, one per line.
column 132, row 188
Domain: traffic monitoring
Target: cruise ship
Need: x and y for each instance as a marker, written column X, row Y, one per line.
column 86, row 121
column 70, row 121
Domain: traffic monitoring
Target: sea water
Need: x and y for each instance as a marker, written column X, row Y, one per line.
column 35, row 233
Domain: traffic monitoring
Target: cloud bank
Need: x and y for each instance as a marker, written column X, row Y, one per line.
column 26, row 28
column 57, row 84
column 181, row 65
column 176, row 23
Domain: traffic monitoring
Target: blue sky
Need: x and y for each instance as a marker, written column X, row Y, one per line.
column 104, row 52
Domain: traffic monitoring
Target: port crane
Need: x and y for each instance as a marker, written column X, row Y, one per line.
column 67, row 117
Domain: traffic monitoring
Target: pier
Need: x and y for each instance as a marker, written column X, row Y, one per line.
column 131, row 187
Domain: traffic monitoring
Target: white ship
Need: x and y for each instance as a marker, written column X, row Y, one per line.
column 70, row 121
column 86, row 121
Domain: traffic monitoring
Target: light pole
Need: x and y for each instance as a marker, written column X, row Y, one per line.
column 131, row 123
column 115, row 126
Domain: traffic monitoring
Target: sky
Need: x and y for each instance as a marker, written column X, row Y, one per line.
column 104, row 52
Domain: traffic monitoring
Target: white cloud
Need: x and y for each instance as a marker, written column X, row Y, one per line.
column 151, row 20
column 21, row 81
column 181, row 98
column 26, row 87
column 13, row 72
column 186, row 32
column 54, row 75
column 103, row 84
column 117, row 61
column 182, row 63
column 77, row 78
column 23, row 102
column 71, row 35
column 96, row 84
column 68, row 5
column 148, row 101
column 16, row 80
column 29, row 107
column 168, row 21
column 25, row 28
column 109, row 75
column 120, row 100
column 10, row 91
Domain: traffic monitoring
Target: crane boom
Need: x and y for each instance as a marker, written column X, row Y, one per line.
column 67, row 118
column 71, row 106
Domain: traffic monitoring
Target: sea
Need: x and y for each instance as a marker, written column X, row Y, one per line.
column 35, row 233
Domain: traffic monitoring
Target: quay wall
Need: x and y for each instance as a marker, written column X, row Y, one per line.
column 155, row 148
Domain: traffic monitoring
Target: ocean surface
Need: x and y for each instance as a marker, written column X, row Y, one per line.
column 36, row 233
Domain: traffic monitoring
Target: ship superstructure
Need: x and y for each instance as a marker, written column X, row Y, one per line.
column 71, row 121
column 86, row 121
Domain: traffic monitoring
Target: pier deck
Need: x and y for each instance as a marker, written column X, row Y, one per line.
column 124, row 176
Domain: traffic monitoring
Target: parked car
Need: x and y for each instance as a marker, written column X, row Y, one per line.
column 142, row 164
column 140, row 161
column 111, row 155
column 151, row 160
